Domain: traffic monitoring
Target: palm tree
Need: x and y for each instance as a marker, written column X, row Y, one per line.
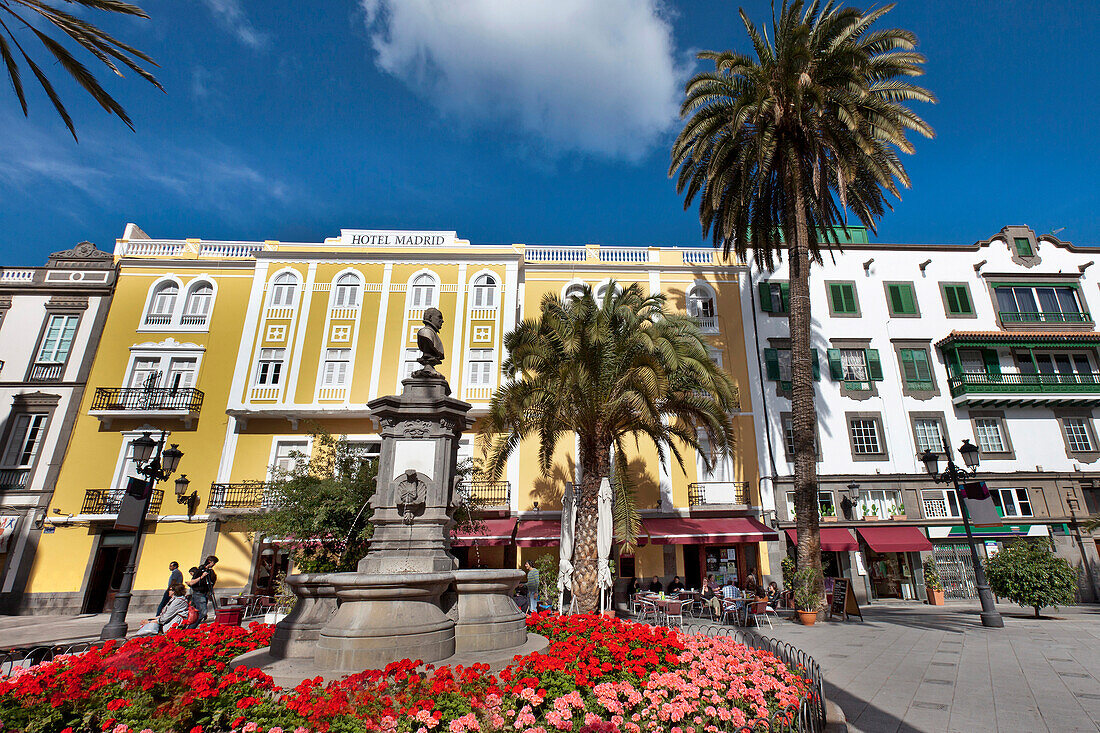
column 623, row 367
column 28, row 15
column 779, row 146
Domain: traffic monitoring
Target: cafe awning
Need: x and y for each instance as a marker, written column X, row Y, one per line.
column 833, row 539
column 490, row 532
column 895, row 539
column 706, row 530
column 538, row 532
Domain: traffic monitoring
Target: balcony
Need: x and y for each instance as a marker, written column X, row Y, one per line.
column 1079, row 318
column 708, row 324
column 708, row 493
column 244, row 495
column 109, row 501
column 137, row 402
column 984, row 388
column 45, row 372
column 14, row 478
column 486, row 493
column 937, row 509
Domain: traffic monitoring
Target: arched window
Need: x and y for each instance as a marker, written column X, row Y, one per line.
column 162, row 304
column 573, row 292
column 196, row 308
column 485, row 292
column 346, row 292
column 601, row 291
column 700, row 302
column 423, row 291
column 283, row 290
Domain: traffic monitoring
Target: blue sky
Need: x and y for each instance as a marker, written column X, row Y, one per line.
column 542, row 121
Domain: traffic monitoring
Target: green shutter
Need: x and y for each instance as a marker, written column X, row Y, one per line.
column 908, row 368
column 785, row 296
column 1023, row 246
column 920, row 358
column 843, row 297
column 816, row 366
column 901, row 299
column 765, row 297
column 952, row 300
column 771, row 364
column 874, row 365
column 954, row 363
column 964, row 300
column 836, row 371
column 992, row 362
column 893, row 294
column 958, row 300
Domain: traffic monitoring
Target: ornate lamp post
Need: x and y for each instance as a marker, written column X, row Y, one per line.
column 155, row 467
column 954, row 474
column 1074, row 504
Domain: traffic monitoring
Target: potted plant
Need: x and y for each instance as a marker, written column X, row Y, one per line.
column 897, row 512
column 932, row 582
column 806, row 598
column 870, row 512
column 828, row 514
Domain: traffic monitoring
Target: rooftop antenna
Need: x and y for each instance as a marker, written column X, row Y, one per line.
column 1055, row 231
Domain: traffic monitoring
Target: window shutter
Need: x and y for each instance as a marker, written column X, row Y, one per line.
column 908, row 300
column 836, row 294
column 874, row 365
column 908, row 367
column 785, row 296
column 765, row 290
column 836, row 371
column 849, row 291
column 816, row 365
column 893, row 292
column 992, row 362
column 952, row 299
column 771, row 364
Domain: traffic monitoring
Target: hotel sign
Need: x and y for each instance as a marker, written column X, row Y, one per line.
column 395, row 238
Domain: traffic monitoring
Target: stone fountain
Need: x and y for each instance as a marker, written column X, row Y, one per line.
column 408, row 598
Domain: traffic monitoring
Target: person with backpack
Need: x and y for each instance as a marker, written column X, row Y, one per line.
column 202, row 583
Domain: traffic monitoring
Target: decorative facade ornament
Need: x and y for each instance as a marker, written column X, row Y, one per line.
column 417, row 429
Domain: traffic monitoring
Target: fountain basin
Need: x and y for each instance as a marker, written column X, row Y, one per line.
column 297, row 634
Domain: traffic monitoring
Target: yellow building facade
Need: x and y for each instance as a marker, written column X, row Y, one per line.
column 240, row 350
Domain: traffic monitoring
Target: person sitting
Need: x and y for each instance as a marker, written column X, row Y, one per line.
column 675, row 586
column 174, row 613
column 774, row 595
column 710, row 597
column 655, row 586
column 751, row 589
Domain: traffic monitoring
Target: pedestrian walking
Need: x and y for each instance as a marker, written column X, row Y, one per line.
column 175, row 577
column 202, row 584
column 532, row 587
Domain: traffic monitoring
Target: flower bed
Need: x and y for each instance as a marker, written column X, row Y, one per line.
column 598, row 675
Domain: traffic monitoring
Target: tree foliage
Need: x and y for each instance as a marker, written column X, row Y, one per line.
column 1029, row 574
column 27, row 18
column 608, row 371
column 779, row 146
column 320, row 507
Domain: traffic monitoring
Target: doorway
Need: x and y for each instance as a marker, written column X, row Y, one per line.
column 110, row 561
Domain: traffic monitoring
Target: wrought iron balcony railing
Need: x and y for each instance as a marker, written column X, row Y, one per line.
column 703, row 493
column 146, row 399
column 1024, row 384
column 108, row 501
column 486, row 493
column 1076, row 317
column 14, row 478
column 244, row 495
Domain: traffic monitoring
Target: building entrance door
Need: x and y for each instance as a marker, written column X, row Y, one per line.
column 956, row 569
column 107, row 568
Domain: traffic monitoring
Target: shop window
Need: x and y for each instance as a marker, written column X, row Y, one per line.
column 825, row 505
column 1011, row 502
column 901, row 300
column 956, row 300
column 842, row 299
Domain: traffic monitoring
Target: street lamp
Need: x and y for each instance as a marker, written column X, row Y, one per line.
column 849, row 498
column 155, row 467
column 182, row 497
column 1074, row 504
column 954, row 475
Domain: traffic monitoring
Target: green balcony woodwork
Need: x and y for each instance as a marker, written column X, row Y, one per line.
column 1013, row 317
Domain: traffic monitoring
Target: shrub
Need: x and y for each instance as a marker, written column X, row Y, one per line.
column 806, row 595
column 1029, row 574
column 932, row 575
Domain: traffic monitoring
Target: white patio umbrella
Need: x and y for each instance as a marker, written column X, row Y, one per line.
column 604, row 528
column 565, row 549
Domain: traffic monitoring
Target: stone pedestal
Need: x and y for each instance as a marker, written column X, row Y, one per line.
column 297, row 634
column 488, row 618
column 386, row 617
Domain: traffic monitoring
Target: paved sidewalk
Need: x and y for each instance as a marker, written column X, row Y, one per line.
column 912, row 667
column 22, row 631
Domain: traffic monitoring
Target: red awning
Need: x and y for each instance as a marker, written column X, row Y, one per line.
column 491, row 532
column 706, row 530
column 833, row 539
column 538, row 533
column 895, row 539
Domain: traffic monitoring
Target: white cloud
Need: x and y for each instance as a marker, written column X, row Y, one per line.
column 590, row 76
column 230, row 14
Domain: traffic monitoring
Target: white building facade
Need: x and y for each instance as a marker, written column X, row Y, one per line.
column 994, row 343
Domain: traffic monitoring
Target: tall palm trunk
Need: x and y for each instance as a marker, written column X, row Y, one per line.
column 595, row 464
column 803, row 414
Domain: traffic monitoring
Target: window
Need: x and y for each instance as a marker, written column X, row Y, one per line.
column 145, row 372
column 197, row 307
column 929, row 434
column 269, row 369
column 940, row 503
column 25, row 440
column 916, row 369
column 485, row 292
column 181, row 373
column 857, row 368
column 901, row 300
column 574, row 291
column 481, row 363
column 57, row 340
column 1065, row 368
column 775, row 297
column 990, row 435
column 825, row 506
column 410, row 363
column 956, row 300
column 1023, row 247
column 283, row 291
column 721, row 468
column 842, row 299
column 346, row 292
column 865, row 436
column 334, row 373
column 162, row 305
column 289, row 454
column 700, row 302
column 1079, row 438
column 881, row 503
column 787, row 422
column 777, row 366
column 1039, row 304
column 1011, row 502
column 715, row 355
column 423, row 291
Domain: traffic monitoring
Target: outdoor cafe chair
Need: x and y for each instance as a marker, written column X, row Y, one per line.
column 759, row 610
column 674, row 611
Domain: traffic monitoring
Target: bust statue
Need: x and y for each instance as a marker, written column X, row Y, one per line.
column 428, row 341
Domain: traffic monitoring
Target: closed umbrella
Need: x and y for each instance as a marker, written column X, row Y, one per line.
column 565, row 549
column 603, row 541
